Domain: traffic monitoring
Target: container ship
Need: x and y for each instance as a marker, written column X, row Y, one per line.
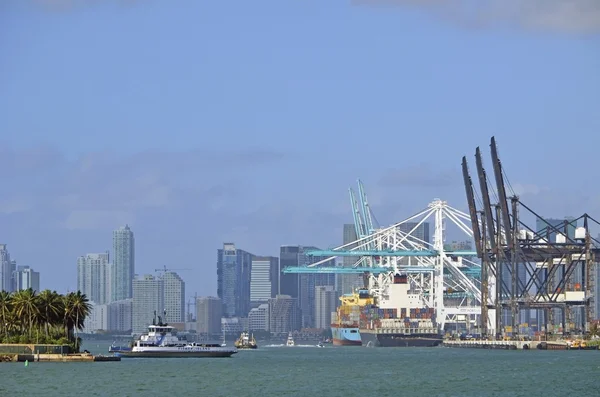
column 346, row 322
column 399, row 319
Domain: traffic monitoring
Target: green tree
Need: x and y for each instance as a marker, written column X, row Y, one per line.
column 50, row 305
column 26, row 309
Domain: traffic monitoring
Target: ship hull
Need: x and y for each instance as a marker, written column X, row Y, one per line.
column 346, row 336
column 177, row 352
column 371, row 339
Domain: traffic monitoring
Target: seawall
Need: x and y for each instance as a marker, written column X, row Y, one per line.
column 506, row 345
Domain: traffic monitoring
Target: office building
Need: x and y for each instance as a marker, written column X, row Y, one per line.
column 208, row 316
column 284, row 315
column 325, row 304
column 124, row 263
column 347, row 283
column 264, row 279
column 258, row 318
column 233, row 280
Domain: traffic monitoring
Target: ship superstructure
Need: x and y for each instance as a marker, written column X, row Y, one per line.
column 345, row 325
column 399, row 318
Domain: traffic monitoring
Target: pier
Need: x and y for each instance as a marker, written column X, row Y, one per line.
column 515, row 345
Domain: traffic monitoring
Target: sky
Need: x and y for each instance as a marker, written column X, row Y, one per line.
column 203, row 122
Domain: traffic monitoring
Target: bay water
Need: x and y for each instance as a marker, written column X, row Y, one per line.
column 276, row 370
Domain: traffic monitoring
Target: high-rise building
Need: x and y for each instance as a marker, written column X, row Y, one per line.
column 94, row 277
column 124, row 263
column 25, row 278
column 288, row 283
column 120, row 315
column 264, row 279
column 325, row 304
column 233, row 280
column 174, row 297
column 420, row 232
column 302, row 286
column 347, row 283
column 284, row 315
column 148, row 299
column 208, row 316
column 258, row 318
column 7, row 267
column 549, row 232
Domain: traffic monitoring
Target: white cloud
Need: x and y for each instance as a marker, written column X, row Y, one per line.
column 567, row 16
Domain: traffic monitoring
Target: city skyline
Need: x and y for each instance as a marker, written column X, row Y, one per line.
column 192, row 149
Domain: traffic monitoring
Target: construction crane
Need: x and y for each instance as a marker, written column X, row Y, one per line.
column 164, row 269
column 189, row 304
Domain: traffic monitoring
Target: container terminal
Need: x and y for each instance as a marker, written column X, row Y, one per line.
column 418, row 292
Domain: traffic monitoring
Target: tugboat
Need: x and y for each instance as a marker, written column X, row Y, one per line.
column 246, row 342
column 161, row 341
column 290, row 340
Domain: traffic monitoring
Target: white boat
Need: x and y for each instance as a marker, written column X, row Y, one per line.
column 290, row 340
column 320, row 344
column 162, row 341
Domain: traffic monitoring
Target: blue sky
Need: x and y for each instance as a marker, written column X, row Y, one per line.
column 201, row 122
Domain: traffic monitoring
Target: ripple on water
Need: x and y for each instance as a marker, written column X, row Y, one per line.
column 332, row 371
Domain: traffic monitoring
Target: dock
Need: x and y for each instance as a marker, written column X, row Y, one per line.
column 512, row 345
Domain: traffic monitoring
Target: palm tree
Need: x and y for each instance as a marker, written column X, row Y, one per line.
column 50, row 307
column 76, row 309
column 5, row 311
column 26, row 309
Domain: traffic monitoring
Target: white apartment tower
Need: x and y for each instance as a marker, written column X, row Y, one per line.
column 123, row 263
column 174, row 297
column 26, row 278
column 94, row 277
column 148, row 297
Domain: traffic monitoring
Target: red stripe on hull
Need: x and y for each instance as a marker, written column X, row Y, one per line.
column 338, row 342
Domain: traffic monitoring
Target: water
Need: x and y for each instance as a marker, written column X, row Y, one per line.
column 310, row 371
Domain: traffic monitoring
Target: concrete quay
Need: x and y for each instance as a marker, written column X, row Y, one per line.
column 83, row 357
column 507, row 344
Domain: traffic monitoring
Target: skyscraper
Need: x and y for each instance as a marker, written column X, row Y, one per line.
column 6, row 270
column 93, row 277
column 264, row 279
column 174, row 297
column 124, row 263
column 421, row 232
column 148, row 297
column 233, row 280
column 347, row 283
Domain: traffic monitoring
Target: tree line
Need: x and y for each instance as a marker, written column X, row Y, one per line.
column 42, row 318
